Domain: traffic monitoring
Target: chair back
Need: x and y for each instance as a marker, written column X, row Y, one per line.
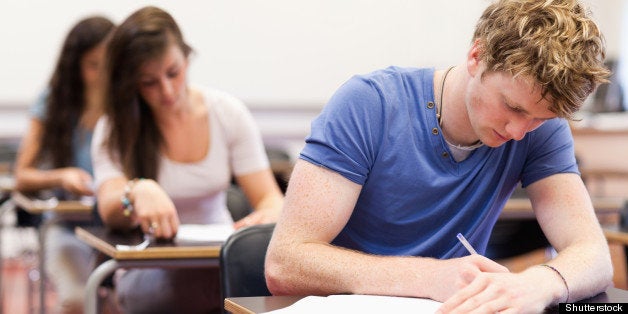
column 237, row 203
column 242, row 262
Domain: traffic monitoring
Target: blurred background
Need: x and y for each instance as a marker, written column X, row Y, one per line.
column 284, row 58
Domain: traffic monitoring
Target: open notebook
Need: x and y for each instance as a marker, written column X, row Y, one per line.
column 204, row 233
column 355, row 303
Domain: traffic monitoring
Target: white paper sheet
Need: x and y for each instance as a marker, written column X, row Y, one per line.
column 355, row 303
column 204, row 233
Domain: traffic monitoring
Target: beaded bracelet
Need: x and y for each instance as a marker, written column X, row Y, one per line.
column 127, row 205
column 561, row 277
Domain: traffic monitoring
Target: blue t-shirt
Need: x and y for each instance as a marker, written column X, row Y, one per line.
column 379, row 131
column 81, row 139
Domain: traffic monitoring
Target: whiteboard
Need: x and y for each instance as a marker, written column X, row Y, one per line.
column 270, row 53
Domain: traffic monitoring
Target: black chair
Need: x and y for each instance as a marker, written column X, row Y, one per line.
column 514, row 237
column 281, row 164
column 237, row 203
column 511, row 238
column 242, row 262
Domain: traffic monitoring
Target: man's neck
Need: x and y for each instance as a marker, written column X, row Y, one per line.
column 456, row 125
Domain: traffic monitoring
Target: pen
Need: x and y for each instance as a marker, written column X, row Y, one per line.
column 466, row 243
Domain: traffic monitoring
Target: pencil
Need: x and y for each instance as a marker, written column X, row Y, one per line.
column 466, row 243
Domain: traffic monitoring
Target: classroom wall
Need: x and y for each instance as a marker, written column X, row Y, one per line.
column 284, row 58
column 271, row 53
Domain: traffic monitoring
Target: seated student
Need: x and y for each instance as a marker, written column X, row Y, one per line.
column 168, row 150
column 402, row 159
column 55, row 151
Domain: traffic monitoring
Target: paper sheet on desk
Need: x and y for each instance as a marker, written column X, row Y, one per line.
column 204, row 233
column 355, row 303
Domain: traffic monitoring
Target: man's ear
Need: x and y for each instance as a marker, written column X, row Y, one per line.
column 473, row 58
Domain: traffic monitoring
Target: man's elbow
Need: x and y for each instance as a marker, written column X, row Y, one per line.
column 609, row 274
column 604, row 273
column 275, row 277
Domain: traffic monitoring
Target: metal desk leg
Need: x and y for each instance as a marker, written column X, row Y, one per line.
column 93, row 282
column 42, row 265
column 43, row 228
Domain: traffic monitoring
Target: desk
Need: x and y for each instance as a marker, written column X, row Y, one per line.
column 600, row 142
column 158, row 254
column 597, row 178
column 616, row 234
column 521, row 208
column 37, row 207
column 251, row 305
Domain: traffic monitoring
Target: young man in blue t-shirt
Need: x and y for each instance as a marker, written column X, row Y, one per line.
column 401, row 160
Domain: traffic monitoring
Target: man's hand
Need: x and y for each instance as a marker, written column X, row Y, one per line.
column 530, row 291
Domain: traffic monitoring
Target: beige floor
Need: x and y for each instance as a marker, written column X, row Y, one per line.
column 19, row 293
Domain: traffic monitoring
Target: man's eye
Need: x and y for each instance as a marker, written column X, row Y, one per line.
column 516, row 109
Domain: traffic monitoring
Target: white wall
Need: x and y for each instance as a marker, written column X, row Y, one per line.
column 267, row 52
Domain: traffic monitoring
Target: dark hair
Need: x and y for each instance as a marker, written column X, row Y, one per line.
column 134, row 138
column 66, row 99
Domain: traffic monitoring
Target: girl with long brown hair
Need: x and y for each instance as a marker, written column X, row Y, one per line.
column 165, row 154
column 55, row 151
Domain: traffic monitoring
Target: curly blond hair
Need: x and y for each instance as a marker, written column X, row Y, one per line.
column 555, row 42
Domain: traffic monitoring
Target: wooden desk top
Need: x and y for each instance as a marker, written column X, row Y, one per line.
column 522, row 208
column 105, row 240
column 583, row 131
column 616, row 234
column 40, row 206
column 601, row 172
column 250, row 305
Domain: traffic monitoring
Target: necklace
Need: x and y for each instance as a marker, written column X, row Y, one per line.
column 439, row 117
column 439, row 114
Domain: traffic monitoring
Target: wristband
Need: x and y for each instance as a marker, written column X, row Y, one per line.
column 127, row 205
column 561, row 277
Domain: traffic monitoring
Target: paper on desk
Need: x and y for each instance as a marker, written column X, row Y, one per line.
column 204, row 233
column 360, row 304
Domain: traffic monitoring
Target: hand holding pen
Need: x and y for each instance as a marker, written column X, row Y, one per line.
column 489, row 287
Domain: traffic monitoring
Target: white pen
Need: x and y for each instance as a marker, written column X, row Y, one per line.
column 466, row 243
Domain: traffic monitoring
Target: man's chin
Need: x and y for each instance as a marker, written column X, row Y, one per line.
column 494, row 143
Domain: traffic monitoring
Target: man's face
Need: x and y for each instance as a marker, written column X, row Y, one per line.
column 503, row 108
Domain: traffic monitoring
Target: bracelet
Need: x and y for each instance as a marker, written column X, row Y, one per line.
column 127, row 205
column 561, row 277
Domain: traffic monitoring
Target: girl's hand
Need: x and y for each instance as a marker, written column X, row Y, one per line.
column 77, row 181
column 154, row 210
